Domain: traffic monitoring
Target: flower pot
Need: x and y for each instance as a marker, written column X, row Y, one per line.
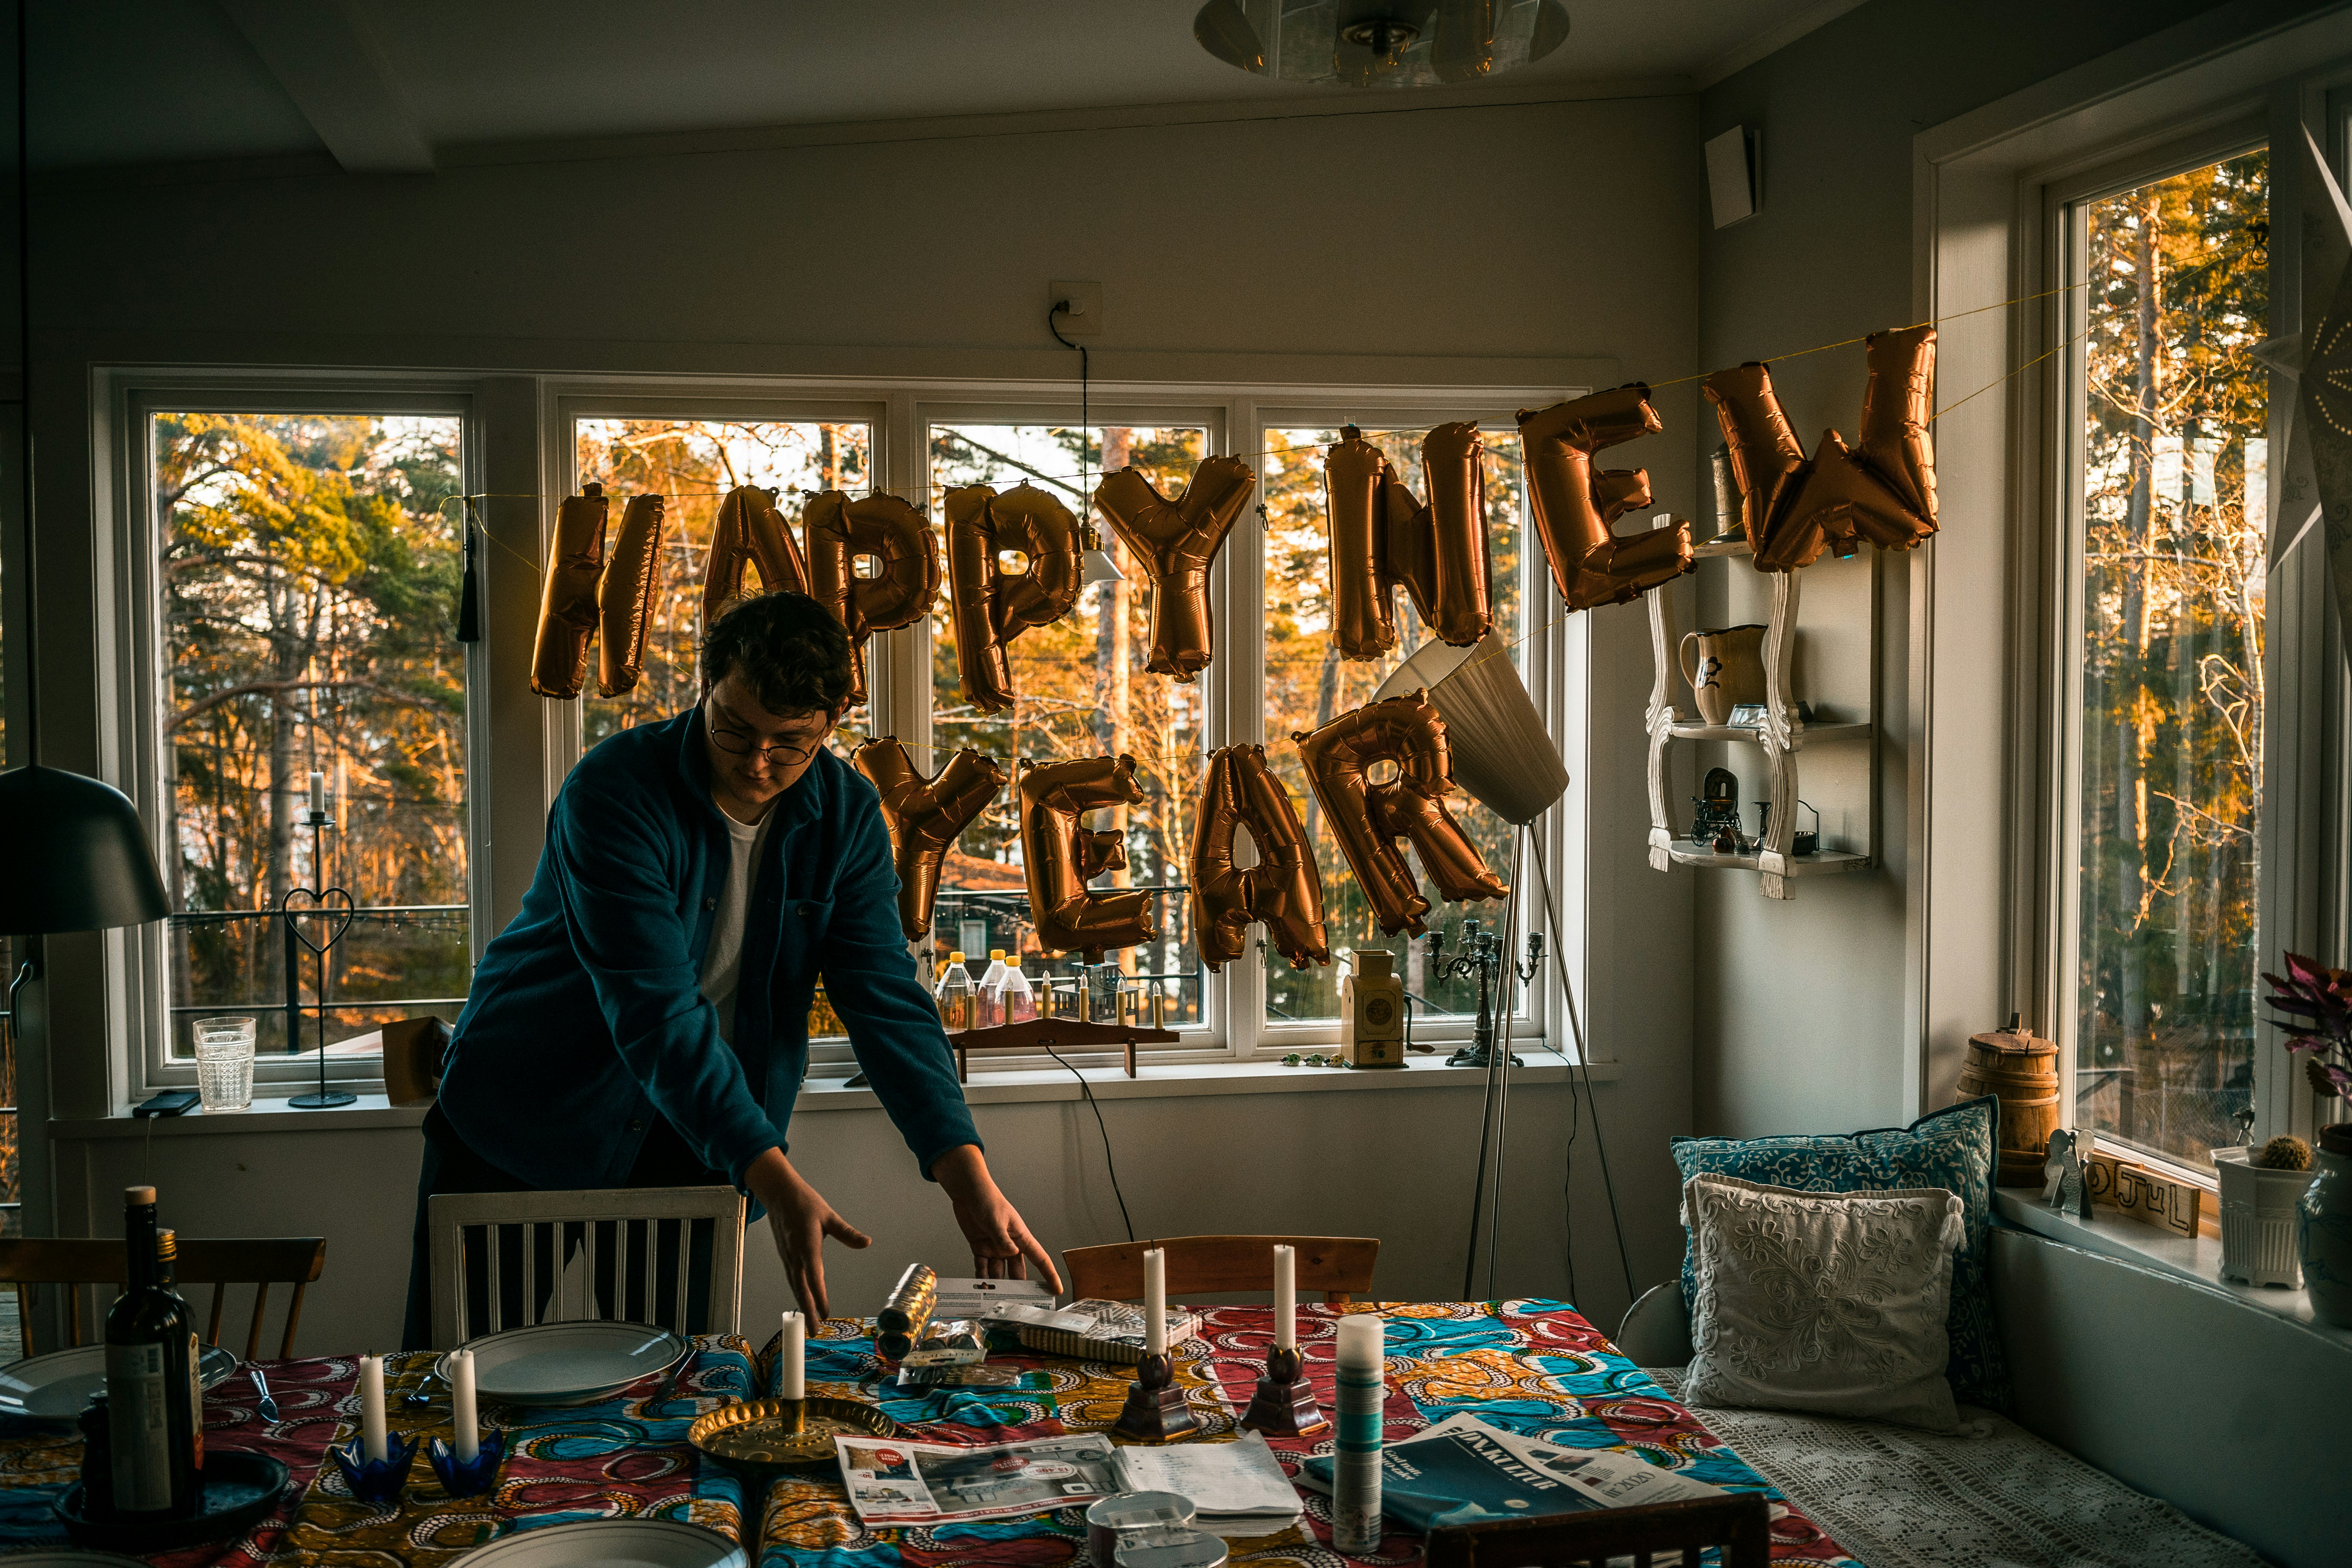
column 2259, row 1242
column 2326, row 1233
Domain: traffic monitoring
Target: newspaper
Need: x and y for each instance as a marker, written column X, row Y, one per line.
column 895, row 1482
column 1464, row 1469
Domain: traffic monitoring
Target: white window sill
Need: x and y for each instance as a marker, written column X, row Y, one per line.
column 2197, row 1260
column 1152, row 1082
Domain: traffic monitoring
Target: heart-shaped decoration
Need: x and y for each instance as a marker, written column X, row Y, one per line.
column 334, row 906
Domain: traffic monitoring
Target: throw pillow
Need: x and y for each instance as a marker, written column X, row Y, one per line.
column 1954, row 1149
column 1823, row 1303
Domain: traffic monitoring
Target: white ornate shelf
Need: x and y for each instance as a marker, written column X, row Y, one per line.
column 1797, row 733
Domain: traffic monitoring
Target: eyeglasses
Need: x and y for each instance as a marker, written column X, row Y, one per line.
column 737, row 744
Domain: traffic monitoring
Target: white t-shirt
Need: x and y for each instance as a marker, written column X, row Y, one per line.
column 722, row 961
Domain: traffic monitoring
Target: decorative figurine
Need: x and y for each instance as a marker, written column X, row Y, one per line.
column 2063, row 1186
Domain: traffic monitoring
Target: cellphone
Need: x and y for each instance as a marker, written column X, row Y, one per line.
column 171, row 1102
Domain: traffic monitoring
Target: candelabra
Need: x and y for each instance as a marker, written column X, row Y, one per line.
column 1483, row 955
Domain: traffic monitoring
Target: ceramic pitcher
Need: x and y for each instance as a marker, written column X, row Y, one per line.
column 1728, row 671
column 2325, row 1229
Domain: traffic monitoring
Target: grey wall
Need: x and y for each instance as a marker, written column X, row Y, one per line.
column 1800, row 1005
column 1409, row 247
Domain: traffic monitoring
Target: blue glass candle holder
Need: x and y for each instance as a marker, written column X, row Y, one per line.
column 467, row 1477
column 375, row 1480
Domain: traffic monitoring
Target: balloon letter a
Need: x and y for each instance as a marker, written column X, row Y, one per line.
column 750, row 528
column 925, row 816
column 1177, row 539
column 895, row 535
column 990, row 605
column 1883, row 492
column 1062, row 857
column 1368, row 818
column 1574, row 505
column 1283, row 890
column 567, row 599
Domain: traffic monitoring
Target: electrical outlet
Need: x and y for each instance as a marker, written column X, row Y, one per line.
column 1084, row 318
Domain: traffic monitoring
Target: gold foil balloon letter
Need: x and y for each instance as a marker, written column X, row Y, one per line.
column 748, row 530
column 1575, row 505
column 1283, row 891
column 1062, row 857
column 625, row 595
column 925, row 816
column 567, row 597
column 1368, row 818
column 1381, row 538
column 1177, row 541
column 990, row 605
column 1883, row 492
column 905, row 580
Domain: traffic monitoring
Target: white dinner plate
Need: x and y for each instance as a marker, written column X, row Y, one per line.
column 56, row 1386
column 609, row 1543
column 566, row 1363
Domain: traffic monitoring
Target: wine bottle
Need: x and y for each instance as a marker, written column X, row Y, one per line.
column 149, row 1393
column 188, row 1351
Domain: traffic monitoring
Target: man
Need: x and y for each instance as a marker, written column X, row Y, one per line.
column 643, row 1020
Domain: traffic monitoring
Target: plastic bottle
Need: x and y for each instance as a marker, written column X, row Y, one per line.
column 955, row 995
column 988, row 1007
column 1020, row 1003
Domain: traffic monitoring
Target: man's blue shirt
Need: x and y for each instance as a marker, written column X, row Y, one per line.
column 587, row 1018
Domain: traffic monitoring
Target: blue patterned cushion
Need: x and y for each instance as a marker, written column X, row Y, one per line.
column 1953, row 1149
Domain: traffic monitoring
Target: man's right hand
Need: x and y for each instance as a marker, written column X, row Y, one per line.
column 800, row 1219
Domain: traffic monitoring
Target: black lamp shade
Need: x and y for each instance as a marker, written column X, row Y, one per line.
column 73, row 856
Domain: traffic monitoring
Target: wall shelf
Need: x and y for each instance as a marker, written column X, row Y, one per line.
column 1843, row 776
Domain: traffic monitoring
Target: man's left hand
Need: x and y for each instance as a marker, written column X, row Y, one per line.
column 1002, row 1246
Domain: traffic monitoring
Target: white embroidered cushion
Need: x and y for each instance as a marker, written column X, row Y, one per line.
column 1827, row 1303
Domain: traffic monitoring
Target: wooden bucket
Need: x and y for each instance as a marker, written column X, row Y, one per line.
column 2023, row 1072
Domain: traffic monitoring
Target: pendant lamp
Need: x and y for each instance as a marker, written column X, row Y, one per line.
column 77, row 857
column 1382, row 43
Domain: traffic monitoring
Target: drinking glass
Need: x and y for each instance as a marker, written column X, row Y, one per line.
column 225, row 1063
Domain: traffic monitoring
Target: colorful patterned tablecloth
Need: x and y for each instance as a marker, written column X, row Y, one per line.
column 1534, row 1366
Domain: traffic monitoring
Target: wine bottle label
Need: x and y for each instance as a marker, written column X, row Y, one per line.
column 142, row 1419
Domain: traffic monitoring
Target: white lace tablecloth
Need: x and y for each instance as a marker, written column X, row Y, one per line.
column 1991, row 1496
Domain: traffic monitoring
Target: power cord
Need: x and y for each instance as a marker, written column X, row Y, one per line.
column 1086, row 1090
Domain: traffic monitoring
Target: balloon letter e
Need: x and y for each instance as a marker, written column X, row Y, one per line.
column 1062, row 857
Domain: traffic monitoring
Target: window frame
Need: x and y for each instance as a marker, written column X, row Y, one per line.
column 138, row 646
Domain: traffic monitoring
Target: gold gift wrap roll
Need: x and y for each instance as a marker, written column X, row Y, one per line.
column 907, row 1311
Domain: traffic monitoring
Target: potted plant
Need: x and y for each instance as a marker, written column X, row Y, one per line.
column 2318, row 1002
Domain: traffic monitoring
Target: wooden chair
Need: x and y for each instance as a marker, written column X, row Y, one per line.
column 1740, row 1524
column 1339, row 1266
column 504, row 1259
column 295, row 1260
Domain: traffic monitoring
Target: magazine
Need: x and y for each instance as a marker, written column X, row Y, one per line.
column 895, row 1482
column 1462, row 1469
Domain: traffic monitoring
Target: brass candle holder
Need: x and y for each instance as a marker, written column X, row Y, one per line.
column 1284, row 1405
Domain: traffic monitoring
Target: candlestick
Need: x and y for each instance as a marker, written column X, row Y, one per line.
column 1155, row 1302
column 1285, row 1298
column 792, row 1354
column 464, row 1419
column 372, row 1428
column 1356, row 1469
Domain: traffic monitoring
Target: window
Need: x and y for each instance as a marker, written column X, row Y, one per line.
column 1080, row 690
column 694, row 463
column 2171, row 464
column 1308, row 684
column 312, row 704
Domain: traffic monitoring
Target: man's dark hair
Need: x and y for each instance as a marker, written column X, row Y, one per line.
column 787, row 648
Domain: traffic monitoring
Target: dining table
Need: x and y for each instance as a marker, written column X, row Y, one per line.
column 1534, row 1366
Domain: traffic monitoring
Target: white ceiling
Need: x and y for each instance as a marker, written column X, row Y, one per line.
column 390, row 84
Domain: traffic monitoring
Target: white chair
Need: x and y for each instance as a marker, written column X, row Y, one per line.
column 649, row 1255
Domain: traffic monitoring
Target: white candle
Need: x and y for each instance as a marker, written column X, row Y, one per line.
column 1155, row 1302
column 1285, row 1298
column 794, row 1353
column 463, row 1417
column 317, row 792
column 371, row 1437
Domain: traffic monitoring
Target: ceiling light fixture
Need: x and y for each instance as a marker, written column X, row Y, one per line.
column 1382, row 43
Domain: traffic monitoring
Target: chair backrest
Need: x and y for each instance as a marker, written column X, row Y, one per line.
column 1740, row 1524
column 1656, row 1329
column 1339, row 1266
column 296, row 1260
column 648, row 1254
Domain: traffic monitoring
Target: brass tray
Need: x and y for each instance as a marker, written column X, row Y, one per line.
column 773, row 1435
